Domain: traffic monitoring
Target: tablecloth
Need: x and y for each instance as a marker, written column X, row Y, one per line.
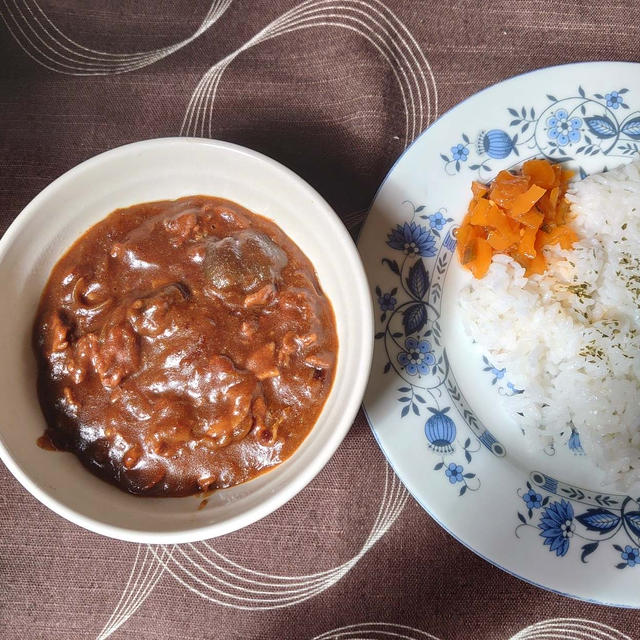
column 316, row 85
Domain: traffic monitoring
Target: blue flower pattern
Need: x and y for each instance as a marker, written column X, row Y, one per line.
column 631, row 555
column 563, row 129
column 437, row 221
column 387, row 302
column 614, row 99
column 413, row 239
column 557, row 526
column 454, row 473
column 512, row 390
column 413, row 349
column 440, row 431
column 497, row 144
column 574, row 443
column 498, row 376
column 460, row 152
column 557, row 521
column 418, row 356
column 532, row 499
column 411, row 334
column 498, row 373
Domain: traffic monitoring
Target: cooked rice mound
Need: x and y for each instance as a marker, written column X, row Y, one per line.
column 571, row 337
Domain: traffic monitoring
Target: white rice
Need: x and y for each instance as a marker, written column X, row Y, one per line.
column 571, row 338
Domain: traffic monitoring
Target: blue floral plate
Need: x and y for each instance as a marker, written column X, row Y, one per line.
column 432, row 400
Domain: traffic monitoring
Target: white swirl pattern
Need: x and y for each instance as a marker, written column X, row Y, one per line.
column 47, row 45
column 371, row 20
column 375, row 631
column 216, row 578
column 213, row 576
column 145, row 574
column 569, row 629
column 555, row 629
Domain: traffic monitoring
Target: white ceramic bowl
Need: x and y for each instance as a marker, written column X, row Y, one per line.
column 141, row 172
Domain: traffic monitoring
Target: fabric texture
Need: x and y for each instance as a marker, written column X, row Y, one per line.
column 315, row 87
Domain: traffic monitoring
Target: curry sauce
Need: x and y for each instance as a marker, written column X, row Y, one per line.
column 183, row 346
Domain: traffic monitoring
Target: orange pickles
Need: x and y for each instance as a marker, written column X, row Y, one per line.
column 518, row 215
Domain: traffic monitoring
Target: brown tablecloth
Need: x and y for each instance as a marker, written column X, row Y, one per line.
column 317, row 90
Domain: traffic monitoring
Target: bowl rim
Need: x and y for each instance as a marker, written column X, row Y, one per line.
column 336, row 434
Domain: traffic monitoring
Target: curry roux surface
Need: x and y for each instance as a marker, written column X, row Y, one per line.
column 183, row 346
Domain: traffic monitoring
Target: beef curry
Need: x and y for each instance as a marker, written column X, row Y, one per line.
column 183, row 346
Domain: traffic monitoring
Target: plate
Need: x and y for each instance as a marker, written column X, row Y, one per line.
column 432, row 400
